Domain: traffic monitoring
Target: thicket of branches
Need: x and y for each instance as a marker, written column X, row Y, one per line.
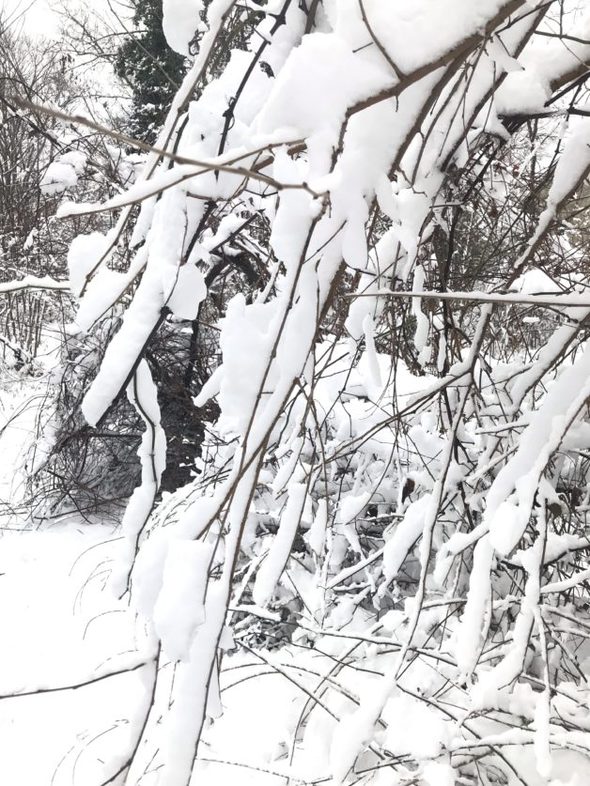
column 47, row 158
column 368, row 232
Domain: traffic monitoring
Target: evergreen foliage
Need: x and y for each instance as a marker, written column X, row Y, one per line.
column 151, row 67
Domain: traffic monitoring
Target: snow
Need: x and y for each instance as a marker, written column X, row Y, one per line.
column 404, row 536
column 422, row 323
column 351, row 506
column 522, row 92
column 64, row 629
column 83, row 255
column 142, row 393
column 511, row 496
column 316, row 536
column 181, row 19
column 188, row 291
column 184, row 583
column 402, row 27
column 158, row 282
column 423, row 734
column 469, row 635
column 542, row 737
column 438, row 774
column 316, row 104
column 382, row 551
column 271, row 569
column 59, row 176
column 32, row 282
column 535, row 281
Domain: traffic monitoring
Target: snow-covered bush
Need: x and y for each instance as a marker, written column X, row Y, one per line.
column 395, row 483
column 44, row 159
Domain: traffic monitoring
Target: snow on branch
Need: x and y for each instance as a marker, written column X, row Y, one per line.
column 337, row 185
column 33, row 282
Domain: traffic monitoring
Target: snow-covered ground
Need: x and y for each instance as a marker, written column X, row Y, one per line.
column 60, row 625
column 62, row 628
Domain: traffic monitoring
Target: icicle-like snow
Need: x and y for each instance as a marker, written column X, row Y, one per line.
column 271, row 569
